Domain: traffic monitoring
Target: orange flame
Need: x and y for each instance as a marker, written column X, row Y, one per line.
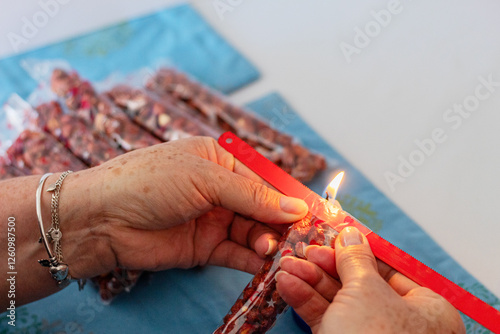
column 333, row 187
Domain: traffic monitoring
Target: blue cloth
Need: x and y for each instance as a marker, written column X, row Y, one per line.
column 196, row 300
column 175, row 36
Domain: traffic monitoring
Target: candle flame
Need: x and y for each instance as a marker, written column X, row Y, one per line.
column 333, row 187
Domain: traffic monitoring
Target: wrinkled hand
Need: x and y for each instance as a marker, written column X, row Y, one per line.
column 347, row 291
column 183, row 204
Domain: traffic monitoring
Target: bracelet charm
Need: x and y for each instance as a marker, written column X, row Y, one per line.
column 58, row 270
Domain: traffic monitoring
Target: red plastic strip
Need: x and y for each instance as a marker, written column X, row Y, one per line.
column 261, row 166
column 423, row 275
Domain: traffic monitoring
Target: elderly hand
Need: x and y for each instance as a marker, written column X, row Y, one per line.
column 180, row 204
column 347, row 291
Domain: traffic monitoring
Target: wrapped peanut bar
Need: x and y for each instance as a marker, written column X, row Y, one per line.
column 216, row 111
column 115, row 282
column 7, row 170
column 258, row 307
column 42, row 153
column 164, row 120
column 81, row 98
column 78, row 136
column 29, row 149
column 218, row 124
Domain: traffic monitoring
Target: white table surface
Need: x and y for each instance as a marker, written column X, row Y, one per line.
column 394, row 91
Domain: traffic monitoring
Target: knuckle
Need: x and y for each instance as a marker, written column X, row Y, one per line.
column 356, row 254
column 356, row 258
column 262, row 195
column 208, row 142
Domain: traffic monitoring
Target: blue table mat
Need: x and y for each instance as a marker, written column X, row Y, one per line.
column 195, row 301
column 176, row 36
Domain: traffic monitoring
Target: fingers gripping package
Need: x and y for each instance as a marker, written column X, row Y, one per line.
column 213, row 109
column 404, row 263
column 258, row 307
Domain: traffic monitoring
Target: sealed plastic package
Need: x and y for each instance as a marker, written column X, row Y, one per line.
column 260, row 304
column 80, row 97
column 31, row 150
column 213, row 109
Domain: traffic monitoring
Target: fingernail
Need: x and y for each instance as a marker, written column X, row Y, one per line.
column 280, row 273
column 285, row 258
column 308, row 249
column 272, row 246
column 351, row 236
column 293, row 205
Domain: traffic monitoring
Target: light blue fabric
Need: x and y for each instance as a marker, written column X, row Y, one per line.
column 176, row 36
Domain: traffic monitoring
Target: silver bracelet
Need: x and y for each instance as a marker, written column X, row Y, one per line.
column 57, row 268
column 54, row 232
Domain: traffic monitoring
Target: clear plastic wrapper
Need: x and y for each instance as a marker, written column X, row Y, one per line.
column 80, row 97
column 116, row 282
column 7, row 170
column 258, row 307
column 30, row 150
column 77, row 135
column 8, row 134
column 42, row 153
column 162, row 119
column 214, row 110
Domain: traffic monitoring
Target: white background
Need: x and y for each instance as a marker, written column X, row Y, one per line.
column 372, row 109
